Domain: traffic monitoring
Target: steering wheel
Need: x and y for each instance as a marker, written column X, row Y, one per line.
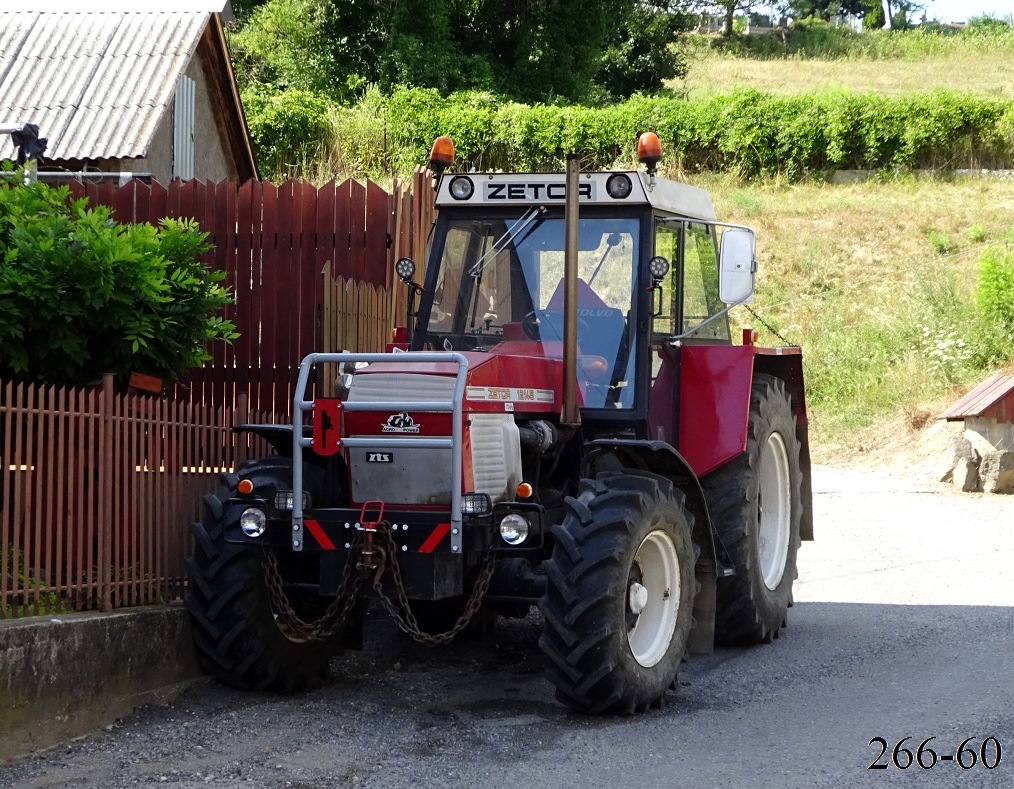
column 534, row 320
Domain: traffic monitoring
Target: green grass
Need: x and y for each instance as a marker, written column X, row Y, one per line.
column 881, row 61
column 877, row 282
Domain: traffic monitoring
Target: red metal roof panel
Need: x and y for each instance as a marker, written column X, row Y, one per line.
column 981, row 398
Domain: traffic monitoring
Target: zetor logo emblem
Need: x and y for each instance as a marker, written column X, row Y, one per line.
column 534, row 191
column 400, row 423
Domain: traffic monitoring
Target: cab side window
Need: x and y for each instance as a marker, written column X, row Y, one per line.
column 667, row 245
column 700, row 283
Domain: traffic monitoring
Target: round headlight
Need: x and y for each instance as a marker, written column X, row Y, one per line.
column 514, row 529
column 405, row 268
column 619, row 186
column 658, row 266
column 253, row 522
column 461, row 187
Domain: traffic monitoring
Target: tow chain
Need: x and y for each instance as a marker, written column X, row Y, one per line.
column 767, row 325
column 408, row 622
column 332, row 620
column 354, row 575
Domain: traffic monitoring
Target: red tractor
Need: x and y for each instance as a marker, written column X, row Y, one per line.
column 566, row 423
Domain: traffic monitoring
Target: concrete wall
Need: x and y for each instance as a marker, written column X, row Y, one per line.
column 211, row 162
column 66, row 675
column 1000, row 436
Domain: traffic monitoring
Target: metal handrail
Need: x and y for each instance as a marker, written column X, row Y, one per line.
column 454, row 442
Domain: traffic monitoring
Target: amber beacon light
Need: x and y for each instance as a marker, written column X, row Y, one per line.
column 441, row 154
column 649, row 151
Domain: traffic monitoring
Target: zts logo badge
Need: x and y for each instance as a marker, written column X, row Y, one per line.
column 379, row 457
column 400, row 423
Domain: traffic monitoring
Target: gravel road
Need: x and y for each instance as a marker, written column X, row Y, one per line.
column 903, row 627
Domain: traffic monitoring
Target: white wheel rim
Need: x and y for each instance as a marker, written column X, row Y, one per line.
column 656, row 611
column 773, row 511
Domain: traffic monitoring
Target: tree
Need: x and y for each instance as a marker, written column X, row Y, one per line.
column 81, row 295
column 539, row 49
column 533, row 50
column 728, row 9
column 825, row 9
column 285, row 45
column 640, row 54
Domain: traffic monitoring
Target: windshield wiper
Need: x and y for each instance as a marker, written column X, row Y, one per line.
column 507, row 238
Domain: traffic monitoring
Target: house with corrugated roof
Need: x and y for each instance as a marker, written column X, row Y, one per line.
column 125, row 87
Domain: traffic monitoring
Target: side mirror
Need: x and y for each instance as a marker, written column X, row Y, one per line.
column 737, row 266
column 343, row 383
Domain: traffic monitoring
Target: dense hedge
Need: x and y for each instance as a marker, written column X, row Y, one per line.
column 745, row 132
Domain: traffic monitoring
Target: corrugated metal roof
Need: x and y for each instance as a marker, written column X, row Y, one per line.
column 981, row 398
column 95, row 83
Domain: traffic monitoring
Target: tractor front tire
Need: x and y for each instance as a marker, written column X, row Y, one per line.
column 619, row 594
column 233, row 625
column 755, row 506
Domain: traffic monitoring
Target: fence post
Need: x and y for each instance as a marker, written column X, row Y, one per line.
column 240, row 417
column 106, row 494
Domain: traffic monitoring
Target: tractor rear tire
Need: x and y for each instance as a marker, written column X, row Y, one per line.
column 755, row 506
column 619, row 594
column 233, row 625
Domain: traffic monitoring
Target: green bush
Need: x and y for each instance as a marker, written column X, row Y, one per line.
column 81, row 295
column 287, row 129
column 994, row 297
column 746, row 132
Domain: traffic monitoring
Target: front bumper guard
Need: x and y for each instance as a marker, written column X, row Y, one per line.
column 301, row 406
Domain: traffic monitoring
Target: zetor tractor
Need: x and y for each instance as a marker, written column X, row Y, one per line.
column 565, row 423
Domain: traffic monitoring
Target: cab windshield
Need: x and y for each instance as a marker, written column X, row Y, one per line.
column 501, row 281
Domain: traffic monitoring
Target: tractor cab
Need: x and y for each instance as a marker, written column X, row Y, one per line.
column 647, row 276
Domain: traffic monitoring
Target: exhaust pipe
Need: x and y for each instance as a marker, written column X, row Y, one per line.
column 571, row 414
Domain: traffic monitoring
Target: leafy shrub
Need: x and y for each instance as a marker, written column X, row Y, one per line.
column 940, row 242
column 976, row 233
column 287, row 128
column 995, row 299
column 81, row 295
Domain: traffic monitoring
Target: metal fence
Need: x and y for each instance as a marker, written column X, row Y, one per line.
column 98, row 489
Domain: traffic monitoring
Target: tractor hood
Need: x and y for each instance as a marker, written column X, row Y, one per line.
column 525, row 379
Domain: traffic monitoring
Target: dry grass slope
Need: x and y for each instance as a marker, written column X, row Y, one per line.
column 989, row 73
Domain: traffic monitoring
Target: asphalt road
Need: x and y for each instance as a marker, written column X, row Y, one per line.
column 903, row 627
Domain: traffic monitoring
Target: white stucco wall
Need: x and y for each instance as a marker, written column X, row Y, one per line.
column 1000, row 436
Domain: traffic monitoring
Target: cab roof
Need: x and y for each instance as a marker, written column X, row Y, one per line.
column 494, row 190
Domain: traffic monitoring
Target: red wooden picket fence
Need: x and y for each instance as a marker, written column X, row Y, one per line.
column 98, row 489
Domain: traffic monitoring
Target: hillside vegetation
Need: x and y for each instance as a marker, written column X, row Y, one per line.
column 879, row 282
column 900, row 289
column 819, row 58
